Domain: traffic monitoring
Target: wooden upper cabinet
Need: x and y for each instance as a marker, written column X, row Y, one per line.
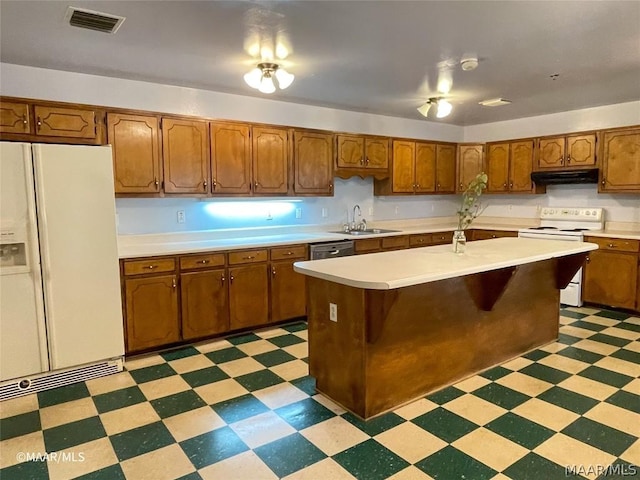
column 403, row 166
column 65, row 122
column 185, row 156
column 498, row 168
column 312, row 163
column 230, row 158
column 425, row 167
column 566, row 152
column 14, row 118
column 445, row 168
column 469, row 164
column 620, row 170
column 350, row 151
column 376, row 153
column 136, row 159
column 270, row 161
column 520, row 166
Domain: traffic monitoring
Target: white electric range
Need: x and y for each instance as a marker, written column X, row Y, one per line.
column 568, row 224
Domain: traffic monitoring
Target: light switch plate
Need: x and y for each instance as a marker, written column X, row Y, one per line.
column 333, row 312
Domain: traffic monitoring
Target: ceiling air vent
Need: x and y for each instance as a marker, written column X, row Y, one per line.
column 101, row 22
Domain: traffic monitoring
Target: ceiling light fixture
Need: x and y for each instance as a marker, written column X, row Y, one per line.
column 494, row 102
column 261, row 77
column 444, row 107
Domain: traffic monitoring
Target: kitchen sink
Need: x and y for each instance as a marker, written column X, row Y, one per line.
column 368, row 231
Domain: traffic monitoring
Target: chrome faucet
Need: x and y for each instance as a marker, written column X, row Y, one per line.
column 362, row 225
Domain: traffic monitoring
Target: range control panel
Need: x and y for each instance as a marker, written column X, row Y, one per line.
column 579, row 214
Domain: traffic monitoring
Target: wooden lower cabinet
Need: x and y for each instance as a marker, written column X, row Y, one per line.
column 611, row 273
column 248, row 296
column 489, row 234
column 288, row 292
column 152, row 311
column 205, row 303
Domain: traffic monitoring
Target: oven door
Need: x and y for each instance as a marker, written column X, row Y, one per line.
column 572, row 294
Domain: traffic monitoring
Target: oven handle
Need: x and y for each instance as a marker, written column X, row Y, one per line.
column 542, row 236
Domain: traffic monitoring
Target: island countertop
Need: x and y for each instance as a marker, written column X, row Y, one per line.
column 403, row 268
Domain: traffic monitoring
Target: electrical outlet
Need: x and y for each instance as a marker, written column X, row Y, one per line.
column 180, row 216
column 333, row 312
column 325, row 212
column 397, row 210
column 269, row 217
column 298, row 213
column 371, row 211
column 509, row 207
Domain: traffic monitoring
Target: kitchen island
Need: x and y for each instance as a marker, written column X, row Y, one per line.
column 387, row 328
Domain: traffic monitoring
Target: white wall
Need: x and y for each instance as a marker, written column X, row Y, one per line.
column 159, row 215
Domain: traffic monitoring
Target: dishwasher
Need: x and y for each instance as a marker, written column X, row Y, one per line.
column 342, row 248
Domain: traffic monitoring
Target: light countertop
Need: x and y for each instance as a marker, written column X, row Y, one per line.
column 403, row 268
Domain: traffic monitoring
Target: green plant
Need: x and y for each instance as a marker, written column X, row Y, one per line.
column 471, row 206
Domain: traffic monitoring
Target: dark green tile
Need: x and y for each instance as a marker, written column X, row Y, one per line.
column 289, row 454
column 609, row 339
column 62, row 394
column 445, row 395
column 594, row 327
column 243, row 338
column 520, row 430
column 600, row 436
column 177, row 403
column 225, row 355
column 603, row 375
column 18, row 425
column 25, row 471
column 626, row 400
column 204, row 376
column 569, row 400
column 141, row 440
column 124, row 397
column 239, row 408
column 286, row 340
column 375, row 425
column 154, row 372
column 568, row 339
column 183, row 352
column 259, row 380
column 276, row 357
column 304, row 413
column 212, row 447
column 548, row 374
column 613, row 314
column 572, row 314
column 307, row 384
column 113, row 472
column 535, row 467
column 620, row 470
column 628, row 326
column 495, row 373
column 370, row 461
column 581, row 355
column 72, row 434
column 444, row 424
column 450, row 464
column 295, row 327
column 501, row 395
column 628, row 355
column 536, row 355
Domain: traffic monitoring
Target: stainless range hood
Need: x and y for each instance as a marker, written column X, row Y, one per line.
column 562, row 177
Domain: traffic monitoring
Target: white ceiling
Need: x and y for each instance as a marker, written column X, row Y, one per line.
column 369, row 56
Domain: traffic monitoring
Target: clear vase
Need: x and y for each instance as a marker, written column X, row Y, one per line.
column 459, row 241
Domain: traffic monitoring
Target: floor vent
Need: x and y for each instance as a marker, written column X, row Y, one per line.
column 101, row 22
column 25, row 386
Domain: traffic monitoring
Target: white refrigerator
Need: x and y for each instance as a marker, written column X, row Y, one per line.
column 60, row 304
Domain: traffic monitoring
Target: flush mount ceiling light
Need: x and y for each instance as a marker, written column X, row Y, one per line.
column 444, row 107
column 494, row 102
column 261, row 77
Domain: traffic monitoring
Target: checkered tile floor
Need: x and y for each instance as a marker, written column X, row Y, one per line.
column 245, row 408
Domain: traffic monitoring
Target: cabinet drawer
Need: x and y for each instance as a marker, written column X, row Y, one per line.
column 395, row 243
column 422, row 240
column 247, row 256
column 367, row 245
column 443, row 237
column 615, row 244
column 286, row 253
column 65, row 122
column 208, row 260
column 151, row 265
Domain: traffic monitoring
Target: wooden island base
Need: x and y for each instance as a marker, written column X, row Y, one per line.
column 389, row 347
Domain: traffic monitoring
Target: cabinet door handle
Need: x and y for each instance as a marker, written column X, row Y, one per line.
column 362, row 161
column 568, row 159
column 273, row 272
column 214, row 184
column 289, row 253
column 588, row 259
column 255, row 186
column 39, row 123
column 603, row 181
column 511, row 185
column 366, row 161
column 611, row 245
column 155, row 182
column 222, row 279
column 150, row 267
column 204, row 262
column 204, row 185
column 249, row 257
column 24, row 119
column 331, row 187
column 461, row 185
column 417, row 185
column 230, row 278
column 173, row 282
